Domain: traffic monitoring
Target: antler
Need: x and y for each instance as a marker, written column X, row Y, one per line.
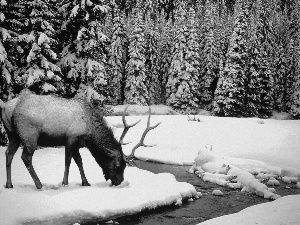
column 126, row 127
column 141, row 142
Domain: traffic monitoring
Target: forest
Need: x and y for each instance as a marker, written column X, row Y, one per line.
column 231, row 57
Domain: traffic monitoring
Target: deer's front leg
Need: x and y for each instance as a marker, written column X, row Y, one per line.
column 13, row 146
column 68, row 158
column 69, row 151
column 77, row 158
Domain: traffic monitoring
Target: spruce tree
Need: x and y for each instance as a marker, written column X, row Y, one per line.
column 295, row 98
column 281, row 59
column 209, row 56
column 151, row 63
column 84, row 58
column 259, row 88
column 7, row 38
column 291, row 56
column 164, row 47
column 183, row 83
column 230, row 95
column 135, row 88
column 295, row 34
column 41, row 75
column 117, row 59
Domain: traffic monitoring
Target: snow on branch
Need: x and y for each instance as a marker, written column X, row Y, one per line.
column 43, row 38
column 100, row 8
column 74, row 11
column 4, row 34
column 3, row 54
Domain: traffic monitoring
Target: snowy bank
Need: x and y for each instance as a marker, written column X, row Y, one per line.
column 285, row 210
column 57, row 204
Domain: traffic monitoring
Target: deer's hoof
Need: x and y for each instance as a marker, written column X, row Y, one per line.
column 64, row 184
column 9, row 185
column 86, row 184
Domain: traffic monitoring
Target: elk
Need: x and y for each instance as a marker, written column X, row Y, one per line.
column 49, row 121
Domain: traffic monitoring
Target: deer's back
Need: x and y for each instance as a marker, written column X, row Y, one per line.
column 51, row 119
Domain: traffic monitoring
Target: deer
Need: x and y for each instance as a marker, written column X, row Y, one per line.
column 34, row 120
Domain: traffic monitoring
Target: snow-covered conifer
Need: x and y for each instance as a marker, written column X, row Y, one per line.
column 295, row 98
column 6, row 37
column 42, row 75
column 209, row 55
column 295, row 33
column 135, row 87
column 164, row 47
column 258, row 100
column 84, row 59
column 183, row 83
column 151, row 63
column 117, row 59
column 230, row 96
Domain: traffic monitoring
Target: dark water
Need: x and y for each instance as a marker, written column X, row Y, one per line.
column 204, row 208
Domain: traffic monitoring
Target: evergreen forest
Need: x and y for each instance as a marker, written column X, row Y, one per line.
column 237, row 58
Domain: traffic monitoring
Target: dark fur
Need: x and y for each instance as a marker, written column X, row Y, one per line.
column 53, row 121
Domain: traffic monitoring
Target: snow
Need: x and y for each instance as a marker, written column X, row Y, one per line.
column 235, row 148
column 284, row 210
column 59, row 204
column 260, row 142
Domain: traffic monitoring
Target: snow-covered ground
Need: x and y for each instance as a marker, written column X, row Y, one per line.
column 283, row 211
column 57, row 204
column 251, row 144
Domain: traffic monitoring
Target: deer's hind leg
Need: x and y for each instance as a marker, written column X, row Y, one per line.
column 30, row 145
column 13, row 145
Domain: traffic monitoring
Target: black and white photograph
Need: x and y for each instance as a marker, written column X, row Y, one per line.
column 141, row 112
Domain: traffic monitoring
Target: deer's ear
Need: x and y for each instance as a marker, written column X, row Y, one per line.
column 109, row 152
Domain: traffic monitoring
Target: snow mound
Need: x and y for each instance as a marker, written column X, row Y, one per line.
column 57, row 204
column 138, row 110
column 234, row 173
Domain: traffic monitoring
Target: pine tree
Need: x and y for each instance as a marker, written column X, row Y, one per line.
column 209, row 56
column 295, row 98
column 281, row 60
column 41, row 75
column 295, row 34
column 164, row 47
column 151, row 63
column 84, row 58
column 290, row 54
column 5, row 76
column 230, row 95
column 259, row 84
column 183, row 83
column 6, row 39
column 117, row 59
column 135, row 88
